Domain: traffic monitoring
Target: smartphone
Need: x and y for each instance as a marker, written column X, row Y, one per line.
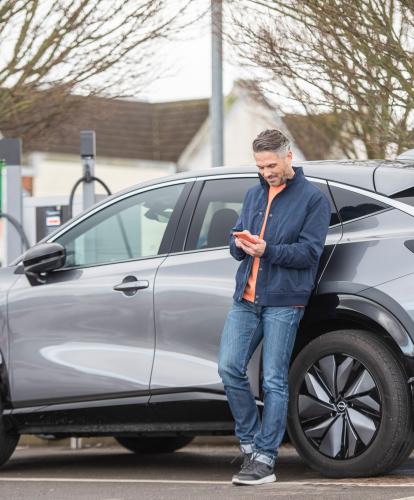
column 245, row 236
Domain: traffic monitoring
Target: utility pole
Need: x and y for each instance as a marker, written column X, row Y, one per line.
column 216, row 101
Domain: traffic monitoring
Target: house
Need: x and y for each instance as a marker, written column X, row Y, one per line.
column 137, row 141
column 247, row 113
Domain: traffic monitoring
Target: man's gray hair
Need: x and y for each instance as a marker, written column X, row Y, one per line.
column 272, row 140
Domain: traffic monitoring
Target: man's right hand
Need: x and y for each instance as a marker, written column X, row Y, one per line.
column 241, row 243
column 238, row 242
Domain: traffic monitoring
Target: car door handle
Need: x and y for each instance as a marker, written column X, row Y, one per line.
column 130, row 285
column 138, row 285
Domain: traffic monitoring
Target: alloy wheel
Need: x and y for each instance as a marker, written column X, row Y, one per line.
column 339, row 406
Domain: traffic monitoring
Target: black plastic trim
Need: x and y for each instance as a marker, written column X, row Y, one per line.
column 335, row 302
column 174, row 223
column 187, row 215
column 83, row 400
column 410, row 245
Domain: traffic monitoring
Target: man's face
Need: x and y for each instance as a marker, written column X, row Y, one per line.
column 274, row 168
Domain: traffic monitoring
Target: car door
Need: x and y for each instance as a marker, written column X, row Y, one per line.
column 88, row 331
column 193, row 293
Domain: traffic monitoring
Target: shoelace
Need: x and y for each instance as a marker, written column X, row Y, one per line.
column 238, row 457
column 241, row 456
column 249, row 463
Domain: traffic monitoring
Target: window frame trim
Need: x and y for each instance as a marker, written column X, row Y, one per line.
column 366, row 192
column 102, row 206
column 113, row 201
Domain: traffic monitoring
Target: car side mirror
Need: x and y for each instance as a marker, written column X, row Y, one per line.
column 43, row 258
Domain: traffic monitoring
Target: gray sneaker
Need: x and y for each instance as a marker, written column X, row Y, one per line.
column 255, row 472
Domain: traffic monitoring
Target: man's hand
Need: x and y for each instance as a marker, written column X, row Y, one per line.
column 254, row 249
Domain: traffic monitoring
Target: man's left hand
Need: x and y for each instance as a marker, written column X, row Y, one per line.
column 253, row 249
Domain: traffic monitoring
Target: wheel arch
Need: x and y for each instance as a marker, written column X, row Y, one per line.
column 330, row 312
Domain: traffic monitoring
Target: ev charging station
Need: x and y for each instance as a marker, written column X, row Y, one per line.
column 29, row 219
column 11, row 198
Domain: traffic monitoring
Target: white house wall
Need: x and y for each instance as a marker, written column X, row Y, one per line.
column 243, row 122
column 56, row 174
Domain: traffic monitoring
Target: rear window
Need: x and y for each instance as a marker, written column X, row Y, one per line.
column 406, row 196
column 352, row 205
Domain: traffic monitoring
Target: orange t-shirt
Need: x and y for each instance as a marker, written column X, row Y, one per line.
column 250, row 289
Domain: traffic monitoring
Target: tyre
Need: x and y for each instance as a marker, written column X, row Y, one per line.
column 350, row 409
column 8, row 441
column 154, row 444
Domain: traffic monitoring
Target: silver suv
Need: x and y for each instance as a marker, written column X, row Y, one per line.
column 111, row 325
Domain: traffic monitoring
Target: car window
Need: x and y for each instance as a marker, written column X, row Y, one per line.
column 323, row 186
column 352, row 205
column 129, row 229
column 217, row 212
column 406, row 196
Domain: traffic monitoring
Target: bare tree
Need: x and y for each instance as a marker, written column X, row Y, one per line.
column 353, row 60
column 51, row 51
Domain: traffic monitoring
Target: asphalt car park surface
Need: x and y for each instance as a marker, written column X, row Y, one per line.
column 200, row 470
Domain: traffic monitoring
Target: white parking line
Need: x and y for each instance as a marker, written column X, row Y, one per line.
column 184, row 481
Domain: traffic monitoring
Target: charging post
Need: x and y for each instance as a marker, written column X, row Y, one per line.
column 88, row 155
column 2, row 169
column 11, row 197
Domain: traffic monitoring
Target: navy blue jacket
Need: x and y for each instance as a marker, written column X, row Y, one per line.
column 295, row 234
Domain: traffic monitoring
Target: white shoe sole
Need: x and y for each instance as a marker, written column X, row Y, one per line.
column 263, row 480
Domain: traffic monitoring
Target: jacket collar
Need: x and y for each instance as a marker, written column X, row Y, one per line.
column 299, row 176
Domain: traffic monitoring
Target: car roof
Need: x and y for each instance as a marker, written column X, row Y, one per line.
column 385, row 177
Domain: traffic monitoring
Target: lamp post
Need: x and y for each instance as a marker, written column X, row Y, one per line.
column 216, row 101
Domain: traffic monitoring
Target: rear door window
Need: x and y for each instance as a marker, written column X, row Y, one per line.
column 323, row 186
column 406, row 196
column 352, row 205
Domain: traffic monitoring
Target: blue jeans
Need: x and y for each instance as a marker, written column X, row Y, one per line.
column 246, row 325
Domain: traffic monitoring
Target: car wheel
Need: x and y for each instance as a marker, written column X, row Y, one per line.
column 8, row 441
column 350, row 405
column 154, row 444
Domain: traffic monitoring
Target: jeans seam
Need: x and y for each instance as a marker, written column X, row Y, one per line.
column 294, row 315
column 250, row 343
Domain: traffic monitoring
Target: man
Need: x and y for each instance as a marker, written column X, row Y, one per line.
column 287, row 219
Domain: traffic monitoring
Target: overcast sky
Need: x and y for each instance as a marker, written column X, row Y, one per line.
column 188, row 68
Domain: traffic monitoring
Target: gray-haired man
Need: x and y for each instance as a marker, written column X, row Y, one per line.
column 286, row 220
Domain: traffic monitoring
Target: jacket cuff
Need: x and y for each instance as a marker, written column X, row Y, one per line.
column 236, row 252
column 269, row 252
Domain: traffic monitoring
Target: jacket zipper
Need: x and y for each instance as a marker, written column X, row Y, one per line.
column 249, row 267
